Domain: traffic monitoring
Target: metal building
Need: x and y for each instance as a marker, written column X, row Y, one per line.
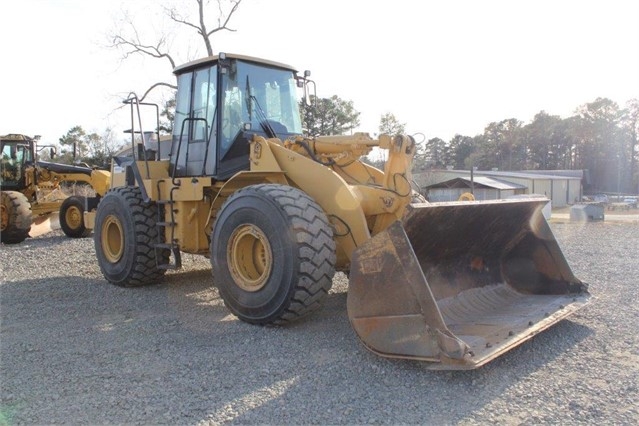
column 482, row 187
column 562, row 187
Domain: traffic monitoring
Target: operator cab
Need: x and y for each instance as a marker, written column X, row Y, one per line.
column 17, row 152
column 221, row 102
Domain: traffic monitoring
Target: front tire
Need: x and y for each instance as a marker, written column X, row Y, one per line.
column 124, row 236
column 72, row 217
column 273, row 254
column 15, row 217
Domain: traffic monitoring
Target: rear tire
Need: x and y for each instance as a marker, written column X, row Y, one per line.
column 273, row 254
column 124, row 237
column 72, row 217
column 15, row 217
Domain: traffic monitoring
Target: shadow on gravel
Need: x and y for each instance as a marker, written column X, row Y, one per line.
column 40, row 241
column 79, row 349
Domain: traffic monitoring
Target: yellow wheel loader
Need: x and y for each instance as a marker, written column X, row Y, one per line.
column 455, row 284
column 31, row 190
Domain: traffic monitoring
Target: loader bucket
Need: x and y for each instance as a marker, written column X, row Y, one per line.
column 460, row 283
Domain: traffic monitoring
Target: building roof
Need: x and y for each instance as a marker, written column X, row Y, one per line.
column 532, row 174
column 478, row 181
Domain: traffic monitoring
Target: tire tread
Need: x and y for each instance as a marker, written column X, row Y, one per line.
column 20, row 218
column 316, row 250
column 144, row 270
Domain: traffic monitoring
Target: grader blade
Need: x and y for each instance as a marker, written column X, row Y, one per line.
column 44, row 224
column 461, row 283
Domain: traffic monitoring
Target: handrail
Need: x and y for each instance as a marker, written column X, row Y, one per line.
column 135, row 104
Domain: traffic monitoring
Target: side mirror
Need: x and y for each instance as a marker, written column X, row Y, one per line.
column 307, row 92
column 307, row 95
column 303, row 82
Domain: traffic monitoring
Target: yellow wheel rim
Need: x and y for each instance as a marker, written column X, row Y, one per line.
column 112, row 239
column 249, row 257
column 73, row 217
column 466, row 196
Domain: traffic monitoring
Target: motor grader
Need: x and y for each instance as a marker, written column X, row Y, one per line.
column 455, row 284
column 31, row 190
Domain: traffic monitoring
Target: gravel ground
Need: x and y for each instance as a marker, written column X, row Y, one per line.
column 77, row 350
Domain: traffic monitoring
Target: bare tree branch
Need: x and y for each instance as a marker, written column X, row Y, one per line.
column 172, row 13
column 201, row 28
column 133, row 44
column 133, row 47
column 172, row 86
column 236, row 4
column 207, row 41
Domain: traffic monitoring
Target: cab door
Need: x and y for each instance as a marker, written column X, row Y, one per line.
column 193, row 148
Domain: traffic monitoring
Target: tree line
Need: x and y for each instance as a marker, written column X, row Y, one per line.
column 600, row 138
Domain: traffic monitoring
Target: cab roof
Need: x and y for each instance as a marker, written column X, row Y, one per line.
column 215, row 58
column 15, row 137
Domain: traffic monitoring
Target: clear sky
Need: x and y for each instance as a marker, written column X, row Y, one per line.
column 441, row 67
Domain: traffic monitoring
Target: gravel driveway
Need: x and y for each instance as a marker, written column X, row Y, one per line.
column 78, row 350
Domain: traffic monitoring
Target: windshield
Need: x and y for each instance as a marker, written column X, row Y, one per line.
column 261, row 96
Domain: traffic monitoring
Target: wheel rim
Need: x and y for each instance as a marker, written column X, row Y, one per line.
column 112, row 239
column 249, row 257
column 73, row 217
column 466, row 196
column 4, row 217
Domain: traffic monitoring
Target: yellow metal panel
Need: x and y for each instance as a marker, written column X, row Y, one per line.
column 89, row 219
column 187, row 189
column 117, row 175
column 190, row 218
column 245, row 178
column 45, row 208
column 262, row 158
column 156, row 170
column 100, row 181
column 240, row 180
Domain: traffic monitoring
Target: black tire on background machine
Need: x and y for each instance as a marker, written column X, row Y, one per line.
column 16, row 217
column 124, row 237
column 71, row 217
column 280, row 240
